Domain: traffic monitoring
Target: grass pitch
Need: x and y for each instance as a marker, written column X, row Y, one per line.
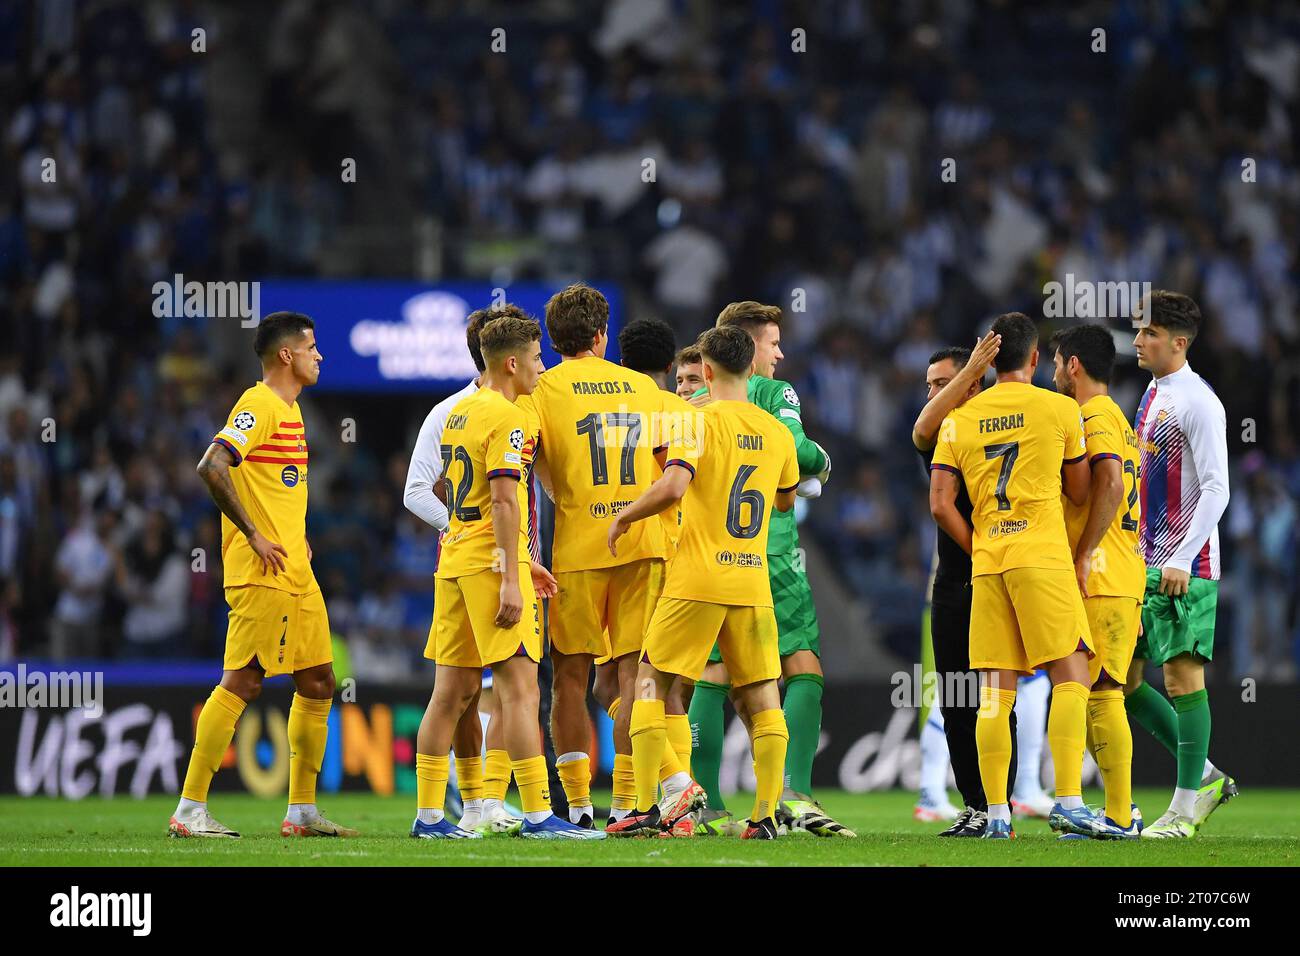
column 1258, row 828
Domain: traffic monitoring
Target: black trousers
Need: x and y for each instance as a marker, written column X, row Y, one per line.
column 950, row 635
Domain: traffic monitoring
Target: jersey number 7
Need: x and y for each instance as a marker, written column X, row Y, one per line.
column 593, row 426
column 1008, row 451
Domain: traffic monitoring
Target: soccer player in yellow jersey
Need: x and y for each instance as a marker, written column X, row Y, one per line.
column 725, row 474
column 1016, row 446
column 596, row 455
column 1108, row 561
column 486, row 611
column 256, row 471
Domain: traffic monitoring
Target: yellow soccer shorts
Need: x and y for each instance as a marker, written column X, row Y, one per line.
column 682, row 632
column 284, row 632
column 1024, row 618
column 605, row 612
column 464, row 631
column 1113, row 623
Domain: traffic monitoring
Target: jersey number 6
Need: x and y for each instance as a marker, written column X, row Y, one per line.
column 740, row 496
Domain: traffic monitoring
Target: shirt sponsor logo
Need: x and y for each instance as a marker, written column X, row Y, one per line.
column 599, row 509
column 289, row 475
column 739, row 559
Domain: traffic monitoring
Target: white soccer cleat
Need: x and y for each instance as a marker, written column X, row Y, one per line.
column 1039, row 806
column 198, row 823
column 319, row 827
column 1171, row 826
column 932, row 809
column 498, row 822
column 1216, row 789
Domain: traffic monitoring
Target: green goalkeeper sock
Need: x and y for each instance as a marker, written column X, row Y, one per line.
column 706, row 717
column 803, row 718
column 1193, row 737
column 1152, row 710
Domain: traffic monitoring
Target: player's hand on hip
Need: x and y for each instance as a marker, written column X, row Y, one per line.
column 544, row 582
column 1174, row 582
column 1082, row 568
column 268, row 551
column 512, row 605
column 616, row 530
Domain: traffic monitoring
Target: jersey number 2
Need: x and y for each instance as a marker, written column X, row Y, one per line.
column 1008, row 451
column 466, row 482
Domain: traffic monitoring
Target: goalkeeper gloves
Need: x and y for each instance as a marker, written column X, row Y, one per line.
column 809, row 488
column 824, row 475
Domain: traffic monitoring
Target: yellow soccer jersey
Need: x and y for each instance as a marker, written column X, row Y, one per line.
column 598, row 424
column 486, row 436
column 679, row 417
column 1118, row 569
column 740, row 457
column 1009, row 443
column 269, row 444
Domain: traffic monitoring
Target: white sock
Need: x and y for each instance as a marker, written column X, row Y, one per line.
column 677, row 782
column 537, row 816
column 616, row 814
column 472, row 815
column 425, row 815
column 934, row 759
column 1032, row 694
column 577, row 813
column 570, row 757
column 1000, row 811
column 1184, row 802
column 1070, row 803
column 302, row 813
column 186, row 807
column 493, row 808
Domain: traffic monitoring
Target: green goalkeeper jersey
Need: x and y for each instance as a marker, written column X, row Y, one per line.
column 781, row 401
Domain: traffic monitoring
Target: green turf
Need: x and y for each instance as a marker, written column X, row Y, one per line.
column 1259, row 828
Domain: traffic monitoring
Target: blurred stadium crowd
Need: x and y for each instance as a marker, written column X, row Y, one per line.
column 808, row 179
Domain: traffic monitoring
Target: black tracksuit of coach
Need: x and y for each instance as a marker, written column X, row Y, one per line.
column 950, row 636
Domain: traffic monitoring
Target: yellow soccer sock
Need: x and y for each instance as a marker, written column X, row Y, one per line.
column 469, row 777
column 769, row 738
column 624, row 797
column 431, row 773
column 1067, row 725
column 1112, row 746
column 496, row 775
column 575, row 777
column 668, row 762
column 993, row 740
column 216, row 725
column 308, row 730
column 534, row 789
column 679, row 738
column 649, row 741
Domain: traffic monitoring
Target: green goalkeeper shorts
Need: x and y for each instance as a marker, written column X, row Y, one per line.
column 792, row 600
column 1182, row 625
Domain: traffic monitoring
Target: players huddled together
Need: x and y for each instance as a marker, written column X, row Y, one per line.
column 676, row 574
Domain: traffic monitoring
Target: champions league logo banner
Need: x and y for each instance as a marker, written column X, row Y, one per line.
column 408, row 336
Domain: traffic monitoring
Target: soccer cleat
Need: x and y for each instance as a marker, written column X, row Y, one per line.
column 1216, row 790
column 199, row 823
column 764, row 829
column 975, row 827
column 1083, row 821
column 320, row 827
column 927, row 811
column 963, row 820
column 499, row 822
column 998, row 830
column 1132, row 832
column 555, row 828
column 586, row 821
column 636, row 824
column 1171, row 826
column 1039, row 807
column 809, row 817
column 710, row 822
column 683, row 827
column 674, row 806
column 444, row 829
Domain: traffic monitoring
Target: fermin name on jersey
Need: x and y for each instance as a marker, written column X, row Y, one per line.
column 1002, row 423
column 603, row 388
column 750, row 442
column 457, row 421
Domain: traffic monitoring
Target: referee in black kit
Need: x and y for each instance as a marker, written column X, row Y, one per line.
column 954, row 376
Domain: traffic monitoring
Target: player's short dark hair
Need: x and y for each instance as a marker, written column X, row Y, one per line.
column 1176, row 312
column 1094, row 346
column 506, row 335
column 574, row 317
column 480, row 318
column 959, row 354
column 749, row 315
column 728, row 346
column 689, row 355
column 1019, row 339
column 275, row 328
column 647, row 345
